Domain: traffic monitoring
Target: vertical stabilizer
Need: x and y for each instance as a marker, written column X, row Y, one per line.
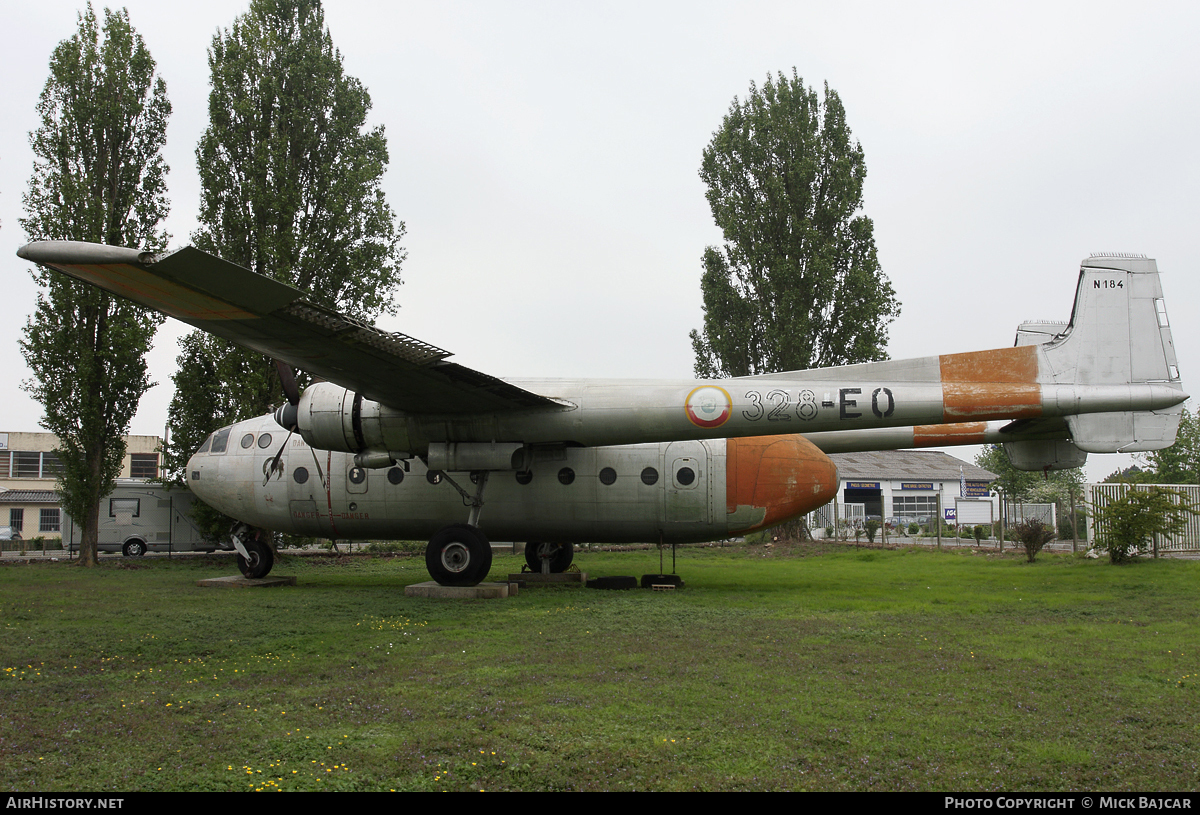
column 1118, row 335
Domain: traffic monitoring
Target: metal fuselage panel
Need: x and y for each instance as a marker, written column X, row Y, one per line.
column 673, row 491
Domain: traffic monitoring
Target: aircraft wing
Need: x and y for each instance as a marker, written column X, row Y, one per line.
column 273, row 318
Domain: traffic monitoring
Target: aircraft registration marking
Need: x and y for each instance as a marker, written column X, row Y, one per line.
column 782, row 406
column 708, row 406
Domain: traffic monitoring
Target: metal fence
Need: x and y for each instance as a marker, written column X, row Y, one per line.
column 1188, row 540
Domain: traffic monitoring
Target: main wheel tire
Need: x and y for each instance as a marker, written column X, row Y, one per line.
column 459, row 555
column 134, row 548
column 260, row 561
column 560, row 556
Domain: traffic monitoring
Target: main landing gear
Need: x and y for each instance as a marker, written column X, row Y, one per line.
column 255, row 556
column 460, row 554
column 549, row 558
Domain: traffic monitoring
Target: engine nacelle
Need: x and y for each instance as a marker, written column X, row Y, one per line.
column 330, row 417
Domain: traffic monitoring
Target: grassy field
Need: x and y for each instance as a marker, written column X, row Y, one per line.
column 776, row 668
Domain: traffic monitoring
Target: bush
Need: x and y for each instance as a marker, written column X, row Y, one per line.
column 871, row 528
column 914, row 529
column 1032, row 535
column 1126, row 523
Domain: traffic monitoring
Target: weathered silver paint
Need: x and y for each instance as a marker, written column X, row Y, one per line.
column 334, row 498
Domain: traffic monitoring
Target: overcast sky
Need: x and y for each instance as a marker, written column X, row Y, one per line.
column 545, row 158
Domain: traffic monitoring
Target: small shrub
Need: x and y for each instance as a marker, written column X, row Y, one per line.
column 1032, row 535
column 914, row 529
column 871, row 528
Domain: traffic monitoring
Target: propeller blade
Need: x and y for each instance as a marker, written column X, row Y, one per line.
column 287, row 378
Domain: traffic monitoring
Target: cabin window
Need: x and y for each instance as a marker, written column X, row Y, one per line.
column 434, row 476
column 247, row 440
column 124, row 506
column 357, row 475
column 300, row 475
column 395, row 475
column 566, row 475
column 608, row 476
column 524, row 476
column 685, row 476
column 264, row 441
column 649, row 476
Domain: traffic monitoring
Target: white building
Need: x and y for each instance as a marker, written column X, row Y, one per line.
column 906, row 486
column 29, row 506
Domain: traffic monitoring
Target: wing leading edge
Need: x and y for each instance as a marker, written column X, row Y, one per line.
column 273, row 318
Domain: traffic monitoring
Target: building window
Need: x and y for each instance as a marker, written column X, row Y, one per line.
column 26, row 464
column 51, row 466
column 145, row 465
column 16, row 519
column 6, row 463
column 914, row 507
column 50, row 521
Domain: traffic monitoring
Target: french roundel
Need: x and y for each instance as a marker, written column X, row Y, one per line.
column 708, row 406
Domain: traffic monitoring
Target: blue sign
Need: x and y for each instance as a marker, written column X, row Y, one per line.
column 951, row 514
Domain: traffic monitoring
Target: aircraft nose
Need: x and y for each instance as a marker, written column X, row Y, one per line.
column 770, row 479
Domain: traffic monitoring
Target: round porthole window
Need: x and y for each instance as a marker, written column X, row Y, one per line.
column 649, row 476
column 566, row 475
column 524, row 476
column 300, row 475
column 395, row 475
column 608, row 476
column 685, row 476
column 247, row 440
column 357, row 475
column 264, row 441
column 434, row 476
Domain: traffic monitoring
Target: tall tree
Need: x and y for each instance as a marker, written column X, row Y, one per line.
column 797, row 283
column 291, row 189
column 98, row 176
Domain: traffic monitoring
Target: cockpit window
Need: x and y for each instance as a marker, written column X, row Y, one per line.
column 207, row 444
column 220, row 439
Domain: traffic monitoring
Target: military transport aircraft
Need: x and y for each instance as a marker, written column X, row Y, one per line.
column 399, row 443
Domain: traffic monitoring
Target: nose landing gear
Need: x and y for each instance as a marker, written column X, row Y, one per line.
column 255, row 557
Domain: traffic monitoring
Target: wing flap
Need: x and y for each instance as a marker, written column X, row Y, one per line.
column 273, row 318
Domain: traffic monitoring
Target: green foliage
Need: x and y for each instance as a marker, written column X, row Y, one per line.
column 797, row 283
column 1179, row 463
column 914, row 528
column 98, row 176
column 871, row 527
column 1036, row 487
column 291, row 179
column 1124, row 524
column 1032, row 535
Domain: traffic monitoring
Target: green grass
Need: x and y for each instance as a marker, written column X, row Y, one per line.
column 776, row 668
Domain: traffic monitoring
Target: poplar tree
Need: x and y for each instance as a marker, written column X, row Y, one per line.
column 797, row 283
column 98, row 176
column 291, row 178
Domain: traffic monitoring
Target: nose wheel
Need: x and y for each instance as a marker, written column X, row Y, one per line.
column 255, row 557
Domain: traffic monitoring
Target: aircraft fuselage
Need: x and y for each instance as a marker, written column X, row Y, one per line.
column 671, row 491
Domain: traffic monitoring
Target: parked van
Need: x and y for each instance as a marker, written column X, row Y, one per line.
column 141, row 516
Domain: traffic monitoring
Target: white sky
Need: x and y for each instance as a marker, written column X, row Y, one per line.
column 545, row 159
